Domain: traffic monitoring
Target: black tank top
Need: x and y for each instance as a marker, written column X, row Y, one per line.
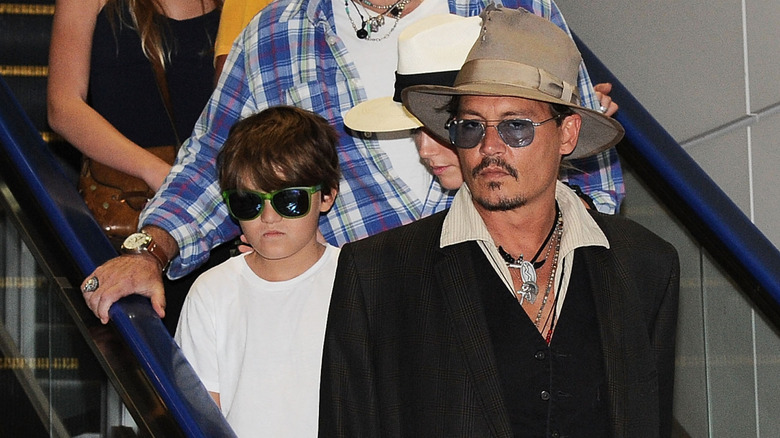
column 122, row 86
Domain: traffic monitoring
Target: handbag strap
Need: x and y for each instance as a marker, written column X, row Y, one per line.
column 162, row 86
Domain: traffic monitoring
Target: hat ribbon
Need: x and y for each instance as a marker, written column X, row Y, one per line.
column 513, row 74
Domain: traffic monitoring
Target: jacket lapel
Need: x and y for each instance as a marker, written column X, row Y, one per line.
column 460, row 285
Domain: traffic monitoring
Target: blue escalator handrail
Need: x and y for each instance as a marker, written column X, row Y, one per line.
column 161, row 359
column 646, row 138
column 57, row 197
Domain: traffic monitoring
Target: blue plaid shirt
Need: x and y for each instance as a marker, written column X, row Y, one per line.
column 290, row 54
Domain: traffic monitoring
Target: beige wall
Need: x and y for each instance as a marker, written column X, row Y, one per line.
column 707, row 68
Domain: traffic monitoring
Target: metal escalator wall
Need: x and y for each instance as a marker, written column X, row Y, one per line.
column 139, row 357
column 52, row 384
column 25, row 32
column 690, row 194
column 59, row 390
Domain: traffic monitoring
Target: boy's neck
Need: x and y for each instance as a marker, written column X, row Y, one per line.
column 286, row 268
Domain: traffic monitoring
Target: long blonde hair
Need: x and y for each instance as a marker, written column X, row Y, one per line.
column 144, row 14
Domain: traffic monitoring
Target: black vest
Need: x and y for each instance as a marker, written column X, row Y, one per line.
column 550, row 391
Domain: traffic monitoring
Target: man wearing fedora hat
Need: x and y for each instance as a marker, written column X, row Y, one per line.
column 431, row 51
column 517, row 312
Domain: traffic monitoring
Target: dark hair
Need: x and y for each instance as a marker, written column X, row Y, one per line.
column 282, row 146
column 556, row 109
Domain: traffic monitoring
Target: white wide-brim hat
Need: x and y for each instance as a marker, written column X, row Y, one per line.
column 517, row 54
column 430, row 51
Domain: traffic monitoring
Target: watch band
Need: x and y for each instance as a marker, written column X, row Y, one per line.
column 159, row 254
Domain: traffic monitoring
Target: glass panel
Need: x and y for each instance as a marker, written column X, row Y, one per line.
column 52, row 383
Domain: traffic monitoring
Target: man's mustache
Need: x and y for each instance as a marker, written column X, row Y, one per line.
column 494, row 161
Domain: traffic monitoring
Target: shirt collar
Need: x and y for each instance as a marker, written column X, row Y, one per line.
column 312, row 9
column 463, row 223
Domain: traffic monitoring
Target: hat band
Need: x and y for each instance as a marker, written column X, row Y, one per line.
column 402, row 81
column 513, row 74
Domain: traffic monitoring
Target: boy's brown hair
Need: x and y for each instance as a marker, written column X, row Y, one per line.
column 281, row 146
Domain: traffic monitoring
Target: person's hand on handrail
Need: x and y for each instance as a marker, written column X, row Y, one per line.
column 129, row 274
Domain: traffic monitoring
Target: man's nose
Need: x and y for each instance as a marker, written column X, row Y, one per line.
column 492, row 143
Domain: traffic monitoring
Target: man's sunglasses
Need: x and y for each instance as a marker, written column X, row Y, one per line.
column 292, row 202
column 516, row 133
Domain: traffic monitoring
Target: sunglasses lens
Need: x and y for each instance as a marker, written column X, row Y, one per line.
column 291, row 202
column 244, row 206
column 466, row 133
column 516, row 133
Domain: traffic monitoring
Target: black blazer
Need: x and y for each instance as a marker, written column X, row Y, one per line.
column 407, row 351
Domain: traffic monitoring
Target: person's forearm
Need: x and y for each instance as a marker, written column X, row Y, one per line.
column 68, row 87
column 96, row 138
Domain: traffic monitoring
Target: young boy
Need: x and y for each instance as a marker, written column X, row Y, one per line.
column 253, row 327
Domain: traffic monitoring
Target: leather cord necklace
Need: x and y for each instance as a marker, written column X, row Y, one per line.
column 529, row 289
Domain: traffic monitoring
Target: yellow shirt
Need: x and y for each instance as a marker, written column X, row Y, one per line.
column 236, row 14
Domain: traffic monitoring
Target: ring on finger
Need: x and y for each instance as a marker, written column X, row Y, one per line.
column 603, row 108
column 92, row 284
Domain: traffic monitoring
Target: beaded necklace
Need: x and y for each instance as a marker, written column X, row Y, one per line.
column 551, row 280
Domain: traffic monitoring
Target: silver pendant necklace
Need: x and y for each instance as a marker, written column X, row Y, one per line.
column 529, row 289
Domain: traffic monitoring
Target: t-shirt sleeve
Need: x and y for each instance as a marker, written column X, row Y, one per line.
column 196, row 336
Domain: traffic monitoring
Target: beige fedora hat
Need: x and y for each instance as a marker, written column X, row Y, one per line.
column 518, row 54
column 430, row 51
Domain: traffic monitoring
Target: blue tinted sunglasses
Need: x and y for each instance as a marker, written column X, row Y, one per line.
column 516, row 133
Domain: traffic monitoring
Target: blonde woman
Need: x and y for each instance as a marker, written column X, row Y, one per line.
column 103, row 96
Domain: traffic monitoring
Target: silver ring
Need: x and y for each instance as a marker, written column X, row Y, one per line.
column 92, row 285
column 603, row 108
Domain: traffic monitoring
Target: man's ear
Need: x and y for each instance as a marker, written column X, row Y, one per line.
column 327, row 200
column 570, row 133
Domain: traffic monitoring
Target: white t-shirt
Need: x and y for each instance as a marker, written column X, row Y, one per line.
column 259, row 344
column 376, row 62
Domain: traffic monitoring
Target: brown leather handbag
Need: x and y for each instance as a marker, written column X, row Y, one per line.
column 116, row 198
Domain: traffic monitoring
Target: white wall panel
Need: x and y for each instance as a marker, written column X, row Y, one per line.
column 765, row 148
column 683, row 60
column 697, row 66
column 763, row 48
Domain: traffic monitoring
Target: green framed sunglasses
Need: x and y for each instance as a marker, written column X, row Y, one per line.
column 290, row 202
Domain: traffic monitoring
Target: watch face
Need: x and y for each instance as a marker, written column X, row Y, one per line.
column 136, row 241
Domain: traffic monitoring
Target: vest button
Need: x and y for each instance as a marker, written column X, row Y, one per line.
column 540, row 355
column 555, row 434
column 545, row 395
